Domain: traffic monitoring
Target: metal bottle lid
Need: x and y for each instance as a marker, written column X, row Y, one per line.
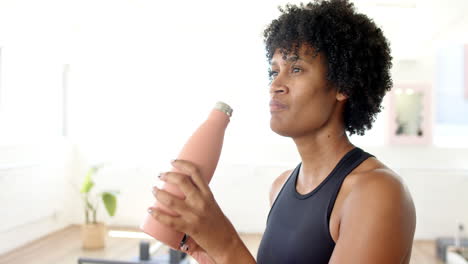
column 223, row 107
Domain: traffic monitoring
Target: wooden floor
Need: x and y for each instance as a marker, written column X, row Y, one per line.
column 64, row 247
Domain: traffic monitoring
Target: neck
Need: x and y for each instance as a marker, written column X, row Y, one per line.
column 321, row 150
column 320, row 153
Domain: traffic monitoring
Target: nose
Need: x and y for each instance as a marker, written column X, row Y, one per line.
column 277, row 86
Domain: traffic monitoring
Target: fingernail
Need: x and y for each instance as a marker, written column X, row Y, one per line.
column 150, row 210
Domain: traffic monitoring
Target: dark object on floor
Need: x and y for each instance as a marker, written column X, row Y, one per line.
column 443, row 242
column 144, row 250
column 174, row 257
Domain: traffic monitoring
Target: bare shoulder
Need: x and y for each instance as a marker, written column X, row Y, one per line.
column 378, row 218
column 277, row 185
column 378, row 190
column 378, row 180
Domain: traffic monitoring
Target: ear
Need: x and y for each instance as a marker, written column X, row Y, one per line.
column 341, row 96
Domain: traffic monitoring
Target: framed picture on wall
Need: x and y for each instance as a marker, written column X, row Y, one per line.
column 410, row 115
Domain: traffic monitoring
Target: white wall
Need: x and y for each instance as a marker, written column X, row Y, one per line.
column 36, row 191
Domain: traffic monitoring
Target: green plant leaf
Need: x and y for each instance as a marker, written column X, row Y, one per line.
column 110, row 202
column 88, row 182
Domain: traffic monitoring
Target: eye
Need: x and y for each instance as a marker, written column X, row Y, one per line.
column 272, row 74
column 296, row 69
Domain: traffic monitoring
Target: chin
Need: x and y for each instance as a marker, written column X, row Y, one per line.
column 279, row 129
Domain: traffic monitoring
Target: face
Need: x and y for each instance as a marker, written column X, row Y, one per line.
column 299, row 84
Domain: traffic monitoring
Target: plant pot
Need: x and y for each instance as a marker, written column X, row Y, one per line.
column 93, row 236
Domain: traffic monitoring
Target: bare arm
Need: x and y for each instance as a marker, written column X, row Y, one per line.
column 236, row 252
column 378, row 222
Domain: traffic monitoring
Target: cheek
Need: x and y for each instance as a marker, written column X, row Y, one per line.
column 314, row 108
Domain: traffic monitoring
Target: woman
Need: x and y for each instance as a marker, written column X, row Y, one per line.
column 329, row 73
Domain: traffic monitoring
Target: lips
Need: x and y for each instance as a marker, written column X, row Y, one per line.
column 276, row 105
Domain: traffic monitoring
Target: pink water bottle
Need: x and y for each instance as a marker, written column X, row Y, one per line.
column 203, row 148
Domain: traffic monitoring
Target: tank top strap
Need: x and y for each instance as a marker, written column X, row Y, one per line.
column 356, row 158
column 284, row 188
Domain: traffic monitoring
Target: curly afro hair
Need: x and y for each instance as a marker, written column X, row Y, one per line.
column 356, row 52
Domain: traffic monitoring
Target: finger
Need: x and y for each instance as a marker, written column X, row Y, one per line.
column 188, row 246
column 199, row 254
column 174, row 222
column 191, row 169
column 171, row 201
column 184, row 182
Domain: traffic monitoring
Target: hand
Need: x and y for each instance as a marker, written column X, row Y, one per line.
column 197, row 252
column 199, row 216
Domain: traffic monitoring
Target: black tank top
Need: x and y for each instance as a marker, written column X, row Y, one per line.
column 297, row 229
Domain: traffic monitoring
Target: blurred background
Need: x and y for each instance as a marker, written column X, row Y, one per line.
column 125, row 83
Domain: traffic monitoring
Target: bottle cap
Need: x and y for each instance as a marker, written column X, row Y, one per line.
column 223, row 107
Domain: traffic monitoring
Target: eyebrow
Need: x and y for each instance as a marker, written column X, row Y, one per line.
column 289, row 59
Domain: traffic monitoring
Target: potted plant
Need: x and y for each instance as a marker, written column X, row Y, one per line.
column 93, row 232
